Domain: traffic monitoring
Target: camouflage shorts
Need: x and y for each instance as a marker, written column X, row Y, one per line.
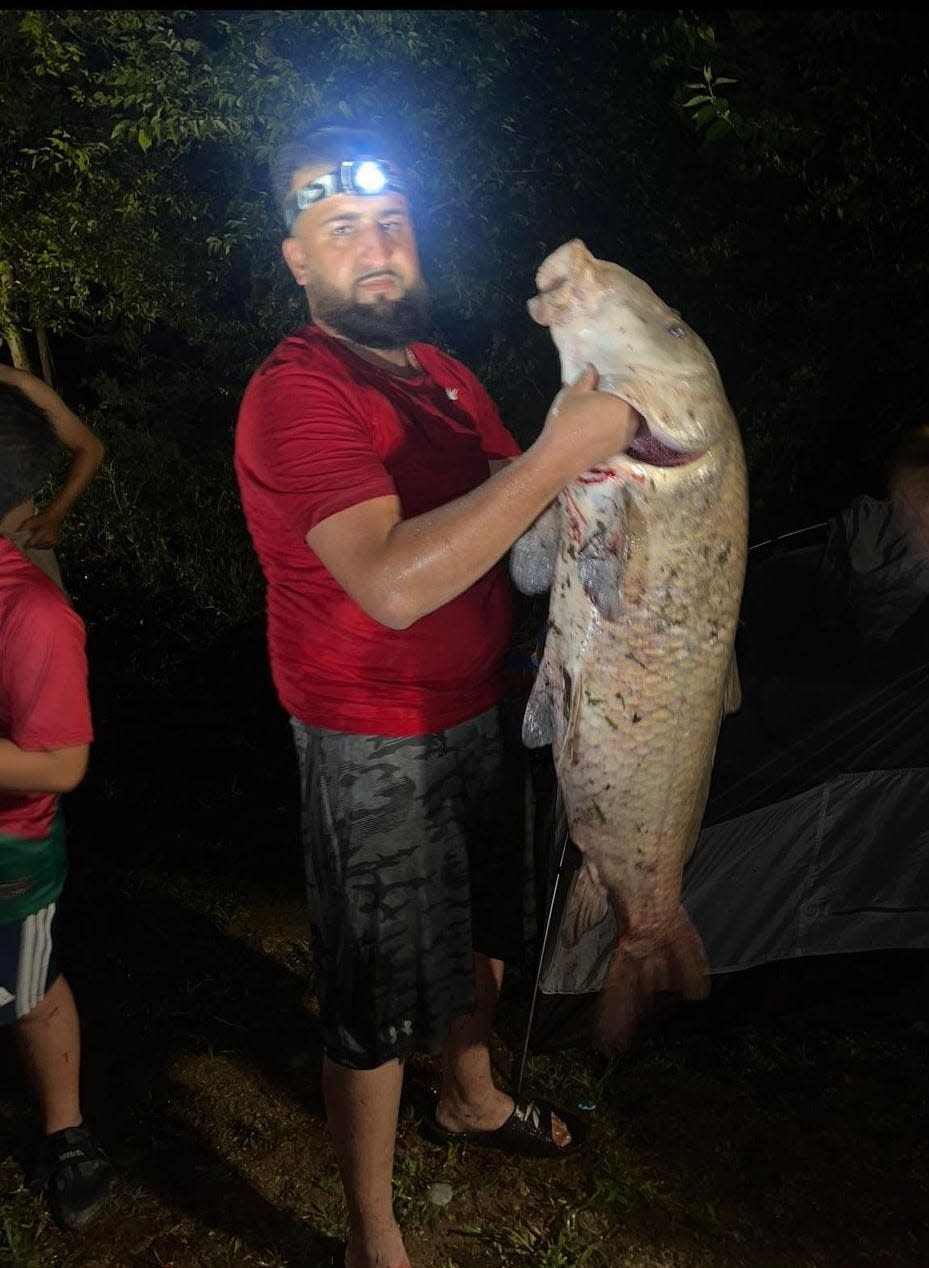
column 412, row 856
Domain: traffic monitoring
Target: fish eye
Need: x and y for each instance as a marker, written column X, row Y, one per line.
column 676, row 331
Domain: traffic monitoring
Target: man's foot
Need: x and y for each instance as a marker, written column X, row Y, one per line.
column 74, row 1174
column 489, row 1116
column 532, row 1129
column 383, row 1249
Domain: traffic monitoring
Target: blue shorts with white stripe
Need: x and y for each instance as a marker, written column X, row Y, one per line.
column 28, row 962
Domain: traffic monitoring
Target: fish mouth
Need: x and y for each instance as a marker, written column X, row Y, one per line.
column 549, row 286
column 648, row 449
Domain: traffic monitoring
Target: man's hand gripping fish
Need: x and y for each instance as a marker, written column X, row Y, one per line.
column 645, row 559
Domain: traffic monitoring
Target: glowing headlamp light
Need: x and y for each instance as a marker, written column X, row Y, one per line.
column 365, row 176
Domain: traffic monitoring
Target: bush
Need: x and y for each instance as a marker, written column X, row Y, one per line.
column 159, row 538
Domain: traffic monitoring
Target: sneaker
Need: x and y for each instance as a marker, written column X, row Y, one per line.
column 74, row 1174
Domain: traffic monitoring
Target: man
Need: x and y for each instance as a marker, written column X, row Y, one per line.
column 36, row 532
column 45, row 731
column 381, row 491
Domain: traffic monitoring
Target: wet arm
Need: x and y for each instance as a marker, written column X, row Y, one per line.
column 400, row 570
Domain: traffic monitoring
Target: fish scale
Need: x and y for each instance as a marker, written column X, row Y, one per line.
column 646, row 562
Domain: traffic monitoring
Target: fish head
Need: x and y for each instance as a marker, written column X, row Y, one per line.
column 567, row 286
column 599, row 312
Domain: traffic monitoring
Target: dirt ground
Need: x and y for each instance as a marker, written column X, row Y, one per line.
column 781, row 1125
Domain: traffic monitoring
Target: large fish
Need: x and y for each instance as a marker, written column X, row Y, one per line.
column 645, row 559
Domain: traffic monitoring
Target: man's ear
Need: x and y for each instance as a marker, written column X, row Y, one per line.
column 295, row 258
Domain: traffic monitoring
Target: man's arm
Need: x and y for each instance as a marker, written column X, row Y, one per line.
column 57, row 771
column 400, row 570
column 88, row 451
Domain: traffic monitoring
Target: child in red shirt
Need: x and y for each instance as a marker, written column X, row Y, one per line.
column 45, row 733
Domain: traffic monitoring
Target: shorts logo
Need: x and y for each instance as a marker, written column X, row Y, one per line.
column 15, row 889
column 5, row 997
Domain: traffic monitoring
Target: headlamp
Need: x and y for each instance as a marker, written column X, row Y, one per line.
column 363, row 176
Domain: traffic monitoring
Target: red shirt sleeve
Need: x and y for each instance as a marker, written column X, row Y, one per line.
column 312, row 449
column 45, row 675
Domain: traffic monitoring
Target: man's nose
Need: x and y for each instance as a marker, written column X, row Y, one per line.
column 376, row 246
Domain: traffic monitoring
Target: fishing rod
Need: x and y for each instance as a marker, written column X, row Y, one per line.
column 783, row 537
column 557, row 818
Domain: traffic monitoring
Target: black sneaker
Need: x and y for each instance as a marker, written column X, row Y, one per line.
column 74, row 1174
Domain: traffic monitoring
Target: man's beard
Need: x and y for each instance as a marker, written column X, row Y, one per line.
column 383, row 323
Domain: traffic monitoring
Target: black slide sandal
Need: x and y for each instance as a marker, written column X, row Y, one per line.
column 528, row 1132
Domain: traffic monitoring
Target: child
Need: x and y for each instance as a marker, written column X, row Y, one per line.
column 45, row 732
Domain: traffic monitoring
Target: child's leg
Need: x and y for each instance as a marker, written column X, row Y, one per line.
column 36, row 1002
column 49, row 1043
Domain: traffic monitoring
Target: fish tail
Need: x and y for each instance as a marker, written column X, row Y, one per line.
column 677, row 965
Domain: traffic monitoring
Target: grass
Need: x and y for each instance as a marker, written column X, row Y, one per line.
column 779, row 1126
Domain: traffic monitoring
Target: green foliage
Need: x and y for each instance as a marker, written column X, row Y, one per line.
column 777, row 197
column 159, row 540
column 713, row 113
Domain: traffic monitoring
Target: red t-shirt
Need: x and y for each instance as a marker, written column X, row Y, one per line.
column 320, row 430
column 43, row 681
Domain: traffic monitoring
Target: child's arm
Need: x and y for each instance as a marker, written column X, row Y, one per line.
column 55, row 771
column 86, row 448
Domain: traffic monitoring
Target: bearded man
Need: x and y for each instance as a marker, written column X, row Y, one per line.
column 381, row 490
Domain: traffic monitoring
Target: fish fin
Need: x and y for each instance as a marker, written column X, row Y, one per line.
column 587, row 906
column 563, row 751
column 600, row 568
column 676, row 966
column 539, row 718
column 732, row 698
column 543, row 722
column 532, row 558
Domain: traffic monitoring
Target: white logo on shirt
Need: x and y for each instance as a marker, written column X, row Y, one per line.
column 452, row 393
